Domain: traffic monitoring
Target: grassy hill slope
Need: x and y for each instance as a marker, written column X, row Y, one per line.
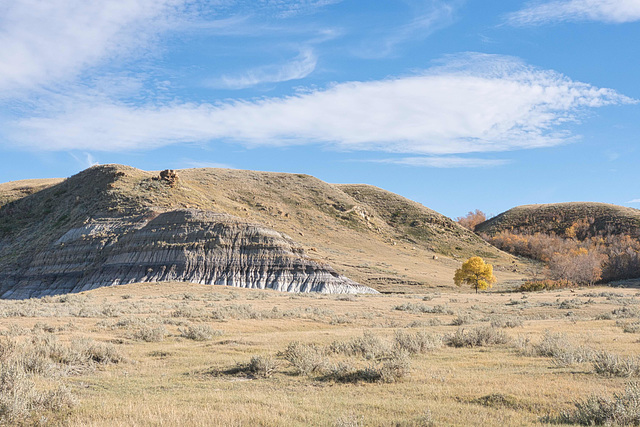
column 373, row 236
column 558, row 217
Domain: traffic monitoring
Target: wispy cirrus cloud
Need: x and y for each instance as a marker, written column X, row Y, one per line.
column 634, row 201
column 202, row 164
column 298, row 68
column 51, row 41
column 610, row 11
column 297, row 7
column 428, row 17
column 472, row 103
column 86, row 159
column 445, row 162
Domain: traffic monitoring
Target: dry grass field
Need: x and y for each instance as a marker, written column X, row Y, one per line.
column 182, row 354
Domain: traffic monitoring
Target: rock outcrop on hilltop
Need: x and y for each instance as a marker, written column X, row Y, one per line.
column 182, row 245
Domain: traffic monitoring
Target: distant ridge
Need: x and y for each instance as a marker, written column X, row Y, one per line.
column 558, row 217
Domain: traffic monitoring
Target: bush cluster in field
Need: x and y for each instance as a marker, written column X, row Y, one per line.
column 482, row 336
column 564, row 353
column 84, row 306
column 388, row 361
column 422, row 308
column 199, row 332
column 43, row 356
column 368, row 358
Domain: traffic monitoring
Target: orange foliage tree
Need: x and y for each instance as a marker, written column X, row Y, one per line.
column 581, row 266
column 582, row 255
column 472, row 219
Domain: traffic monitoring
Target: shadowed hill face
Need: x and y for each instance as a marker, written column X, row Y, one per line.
column 372, row 236
column 14, row 190
column 559, row 217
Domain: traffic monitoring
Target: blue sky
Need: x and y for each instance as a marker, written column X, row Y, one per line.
column 459, row 105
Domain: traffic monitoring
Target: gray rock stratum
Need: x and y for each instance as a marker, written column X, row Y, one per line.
column 182, row 245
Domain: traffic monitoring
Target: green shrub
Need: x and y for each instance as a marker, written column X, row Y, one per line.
column 629, row 327
column 101, row 353
column 506, row 322
column 462, row 319
column 263, row 366
column 368, row 346
column 422, row 308
column 390, row 370
column 560, row 349
column 21, row 401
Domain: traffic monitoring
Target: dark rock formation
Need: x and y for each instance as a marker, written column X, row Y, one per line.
column 183, row 245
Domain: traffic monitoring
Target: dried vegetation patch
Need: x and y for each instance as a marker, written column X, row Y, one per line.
column 152, row 353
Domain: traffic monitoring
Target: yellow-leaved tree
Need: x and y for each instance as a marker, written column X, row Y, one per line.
column 475, row 272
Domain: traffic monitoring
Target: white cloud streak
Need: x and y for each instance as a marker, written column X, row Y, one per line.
column 475, row 103
column 429, row 17
column 50, row 41
column 299, row 68
column 201, row 164
column 298, row 7
column 634, row 201
column 86, row 160
column 445, row 162
column 609, row 11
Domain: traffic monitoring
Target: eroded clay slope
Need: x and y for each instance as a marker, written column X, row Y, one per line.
column 181, row 245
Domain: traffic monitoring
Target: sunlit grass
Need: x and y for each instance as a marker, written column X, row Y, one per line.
column 223, row 358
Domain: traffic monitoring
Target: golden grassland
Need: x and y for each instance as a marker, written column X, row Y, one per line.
column 238, row 371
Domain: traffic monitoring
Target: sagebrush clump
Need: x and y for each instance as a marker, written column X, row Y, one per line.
column 622, row 409
column 199, row 332
column 481, row 336
column 559, row 348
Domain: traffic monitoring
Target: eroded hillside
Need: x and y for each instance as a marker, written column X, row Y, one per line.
column 372, row 236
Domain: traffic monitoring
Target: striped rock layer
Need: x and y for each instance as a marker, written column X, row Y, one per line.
column 185, row 245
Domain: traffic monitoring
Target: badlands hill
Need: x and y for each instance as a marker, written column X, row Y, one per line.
column 115, row 224
column 556, row 218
